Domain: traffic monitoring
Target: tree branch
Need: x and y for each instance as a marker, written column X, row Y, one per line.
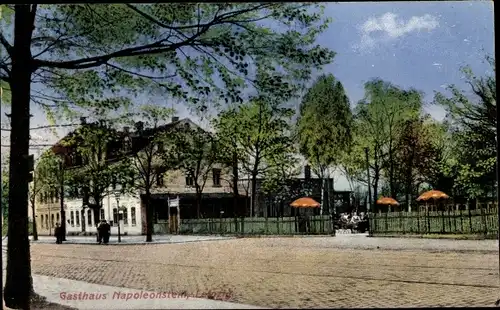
column 6, row 44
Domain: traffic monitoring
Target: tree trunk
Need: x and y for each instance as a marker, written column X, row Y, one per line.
column 376, row 177
column 198, row 203
column 95, row 212
column 84, row 220
column 391, row 174
column 253, row 194
column 35, row 231
column 19, row 283
column 149, row 217
column 409, row 179
column 235, row 183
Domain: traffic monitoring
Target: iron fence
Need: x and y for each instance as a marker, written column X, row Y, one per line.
column 312, row 225
column 467, row 222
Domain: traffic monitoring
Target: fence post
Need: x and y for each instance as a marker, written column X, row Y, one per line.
column 461, row 221
column 470, row 221
column 386, row 221
column 428, row 220
column 483, row 220
column 443, row 228
column 418, row 219
column 400, row 215
column 449, row 221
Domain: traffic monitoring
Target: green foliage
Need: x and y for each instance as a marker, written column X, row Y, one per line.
column 259, row 130
column 259, row 133
column 147, row 148
column 324, row 125
column 379, row 120
column 192, row 150
column 473, row 124
column 99, row 147
column 88, row 51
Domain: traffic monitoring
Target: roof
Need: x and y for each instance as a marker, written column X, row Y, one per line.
column 58, row 147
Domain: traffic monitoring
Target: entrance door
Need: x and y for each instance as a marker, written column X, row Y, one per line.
column 173, row 222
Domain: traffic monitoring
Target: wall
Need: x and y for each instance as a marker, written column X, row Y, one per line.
column 75, row 205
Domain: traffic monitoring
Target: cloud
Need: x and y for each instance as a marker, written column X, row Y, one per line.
column 389, row 27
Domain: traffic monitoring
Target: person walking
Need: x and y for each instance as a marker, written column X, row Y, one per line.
column 106, row 231
column 58, row 233
column 100, row 231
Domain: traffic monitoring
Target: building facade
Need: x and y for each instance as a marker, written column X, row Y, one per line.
column 131, row 208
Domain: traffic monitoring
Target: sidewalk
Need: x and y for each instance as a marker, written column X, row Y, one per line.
column 79, row 295
column 130, row 240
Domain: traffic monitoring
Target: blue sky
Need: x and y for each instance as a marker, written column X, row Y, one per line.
column 411, row 44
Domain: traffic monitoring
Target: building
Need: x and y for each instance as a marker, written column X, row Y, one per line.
column 217, row 194
column 304, row 185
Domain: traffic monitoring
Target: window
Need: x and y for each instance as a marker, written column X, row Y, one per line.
column 102, row 214
column 72, row 218
column 216, row 176
column 115, row 216
column 46, row 221
column 52, row 220
column 189, row 180
column 159, row 179
column 77, row 218
column 89, row 217
column 57, row 218
column 132, row 216
column 51, row 196
column 125, row 216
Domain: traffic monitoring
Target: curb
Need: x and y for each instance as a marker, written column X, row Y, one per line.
column 443, row 237
column 133, row 243
column 283, row 236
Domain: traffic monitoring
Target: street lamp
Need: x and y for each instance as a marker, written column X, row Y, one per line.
column 63, row 212
column 117, row 197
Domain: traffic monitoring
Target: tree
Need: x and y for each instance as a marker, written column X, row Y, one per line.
column 324, row 126
column 230, row 155
column 78, row 51
column 276, row 182
column 45, row 173
column 147, row 149
column 5, row 188
column 473, row 122
column 96, row 152
column 260, row 129
column 379, row 117
column 420, row 153
column 193, row 150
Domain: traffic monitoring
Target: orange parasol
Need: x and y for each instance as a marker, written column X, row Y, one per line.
column 305, row 202
column 387, row 201
column 435, row 195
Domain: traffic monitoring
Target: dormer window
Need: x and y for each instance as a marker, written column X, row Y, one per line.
column 189, row 179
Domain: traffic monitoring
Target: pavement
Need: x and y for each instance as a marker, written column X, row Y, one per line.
column 84, row 295
column 130, row 240
column 348, row 271
column 341, row 241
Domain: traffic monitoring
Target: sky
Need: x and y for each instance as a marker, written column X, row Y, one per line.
column 411, row 44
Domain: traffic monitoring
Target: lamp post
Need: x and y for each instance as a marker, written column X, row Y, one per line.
column 63, row 213
column 117, row 197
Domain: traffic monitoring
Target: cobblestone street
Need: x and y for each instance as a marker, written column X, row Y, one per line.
column 282, row 273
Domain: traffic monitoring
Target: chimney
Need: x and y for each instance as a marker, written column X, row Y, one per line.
column 83, row 120
column 175, row 119
column 126, row 129
column 307, row 172
column 139, row 126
